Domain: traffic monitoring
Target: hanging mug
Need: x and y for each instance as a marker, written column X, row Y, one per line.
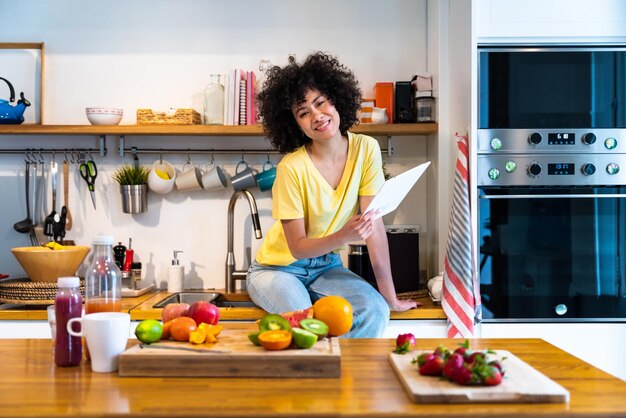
column 244, row 177
column 162, row 177
column 265, row 179
column 214, row 177
column 190, row 179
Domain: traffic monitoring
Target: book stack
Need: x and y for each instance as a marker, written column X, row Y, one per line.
column 239, row 98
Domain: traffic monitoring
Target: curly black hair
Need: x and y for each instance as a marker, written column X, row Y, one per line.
column 288, row 85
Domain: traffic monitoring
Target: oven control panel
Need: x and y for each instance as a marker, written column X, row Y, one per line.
column 551, row 170
column 551, row 141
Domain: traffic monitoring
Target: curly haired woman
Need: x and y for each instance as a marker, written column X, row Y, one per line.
column 327, row 177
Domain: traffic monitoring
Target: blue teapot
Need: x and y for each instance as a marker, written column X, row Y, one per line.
column 12, row 115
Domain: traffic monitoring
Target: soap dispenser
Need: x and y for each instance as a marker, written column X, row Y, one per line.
column 176, row 275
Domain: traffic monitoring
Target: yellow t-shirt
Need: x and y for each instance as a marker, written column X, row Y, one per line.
column 300, row 191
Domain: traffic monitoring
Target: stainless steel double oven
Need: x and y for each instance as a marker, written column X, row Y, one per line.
column 551, row 177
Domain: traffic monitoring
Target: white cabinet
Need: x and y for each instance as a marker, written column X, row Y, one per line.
column 532, row 21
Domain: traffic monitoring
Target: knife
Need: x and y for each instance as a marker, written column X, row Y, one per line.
column 173, row 347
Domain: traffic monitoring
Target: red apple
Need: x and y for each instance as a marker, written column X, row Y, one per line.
column 174, row 310
column 203, row 311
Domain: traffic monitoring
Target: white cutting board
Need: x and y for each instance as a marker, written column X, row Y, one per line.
column 521, row 384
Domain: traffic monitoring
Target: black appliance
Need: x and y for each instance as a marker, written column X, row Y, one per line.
column 404, row 257
column 403, row 107
column 551, row 177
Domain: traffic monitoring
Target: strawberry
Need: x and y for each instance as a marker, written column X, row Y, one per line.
column 441, row 351
column 463, row 348
column 460, row 350
column 433, row 366
column 498, row 365
column 462, row 376
column 454, row 362
column 494, row 377
column 422, row 358
column 404, row 343
column 471, row 358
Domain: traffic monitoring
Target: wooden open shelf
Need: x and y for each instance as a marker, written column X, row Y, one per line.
column 199, row 130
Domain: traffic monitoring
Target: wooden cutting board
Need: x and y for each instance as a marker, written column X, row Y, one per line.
column 521, row 384
column 232, row 356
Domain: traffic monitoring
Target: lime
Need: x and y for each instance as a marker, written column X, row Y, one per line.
column 303, row 338
column 162, row 174
column 254, row 338
column 149, row 331
column 315, row 326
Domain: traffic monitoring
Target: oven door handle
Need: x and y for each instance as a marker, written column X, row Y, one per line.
column 553, row 196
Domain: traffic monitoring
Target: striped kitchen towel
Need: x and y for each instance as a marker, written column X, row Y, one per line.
column 461, row 292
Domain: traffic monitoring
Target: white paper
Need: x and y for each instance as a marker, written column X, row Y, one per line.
column 395, row 190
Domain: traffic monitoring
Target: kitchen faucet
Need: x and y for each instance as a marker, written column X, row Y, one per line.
column 231, row 273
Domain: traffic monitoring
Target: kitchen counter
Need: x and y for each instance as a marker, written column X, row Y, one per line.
column 33, row 386
column 141, row 307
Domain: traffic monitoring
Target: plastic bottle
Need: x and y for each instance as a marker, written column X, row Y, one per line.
column 214, row 102
column 176, row 275
column 68, row 304
column 103, row 279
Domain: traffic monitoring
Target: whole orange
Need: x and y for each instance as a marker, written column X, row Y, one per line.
column 181, row 327
column 166, row 330
column 334, row 311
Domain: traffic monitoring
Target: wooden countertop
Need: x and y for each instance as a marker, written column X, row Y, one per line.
column 38, row 312
column 141, row 307
column 33, row 386
column 145, row 310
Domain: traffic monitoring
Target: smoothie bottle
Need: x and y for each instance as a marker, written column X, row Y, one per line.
column 103, row 279
column 67, row 304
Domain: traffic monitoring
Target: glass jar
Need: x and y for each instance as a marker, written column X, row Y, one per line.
column 214, row 102
column 424, row 109
column 68, row 304
column 103, row 279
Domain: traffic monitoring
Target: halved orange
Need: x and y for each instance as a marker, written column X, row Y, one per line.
column 275, row 340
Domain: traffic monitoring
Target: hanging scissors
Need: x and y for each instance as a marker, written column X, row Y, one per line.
column 89, row 172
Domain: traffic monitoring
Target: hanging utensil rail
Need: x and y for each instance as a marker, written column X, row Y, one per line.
column 59, row 151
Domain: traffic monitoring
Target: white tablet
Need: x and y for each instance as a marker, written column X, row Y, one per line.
column 395, row 190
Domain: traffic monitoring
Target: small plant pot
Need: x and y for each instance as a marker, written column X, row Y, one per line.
column 134, row 198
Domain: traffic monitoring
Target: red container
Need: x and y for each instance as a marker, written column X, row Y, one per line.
column 384, row 98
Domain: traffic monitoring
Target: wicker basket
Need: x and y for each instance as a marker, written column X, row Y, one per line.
column 179, row 117
column 25, row 291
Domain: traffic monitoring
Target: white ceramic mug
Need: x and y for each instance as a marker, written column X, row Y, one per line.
column 213, row 178
column 156, row 182
column 190, row 179
column 106, row 334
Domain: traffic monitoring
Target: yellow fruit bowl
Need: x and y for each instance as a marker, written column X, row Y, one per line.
column 44, row 264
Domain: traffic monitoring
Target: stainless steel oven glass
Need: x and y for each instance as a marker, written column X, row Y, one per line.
column 551, row 177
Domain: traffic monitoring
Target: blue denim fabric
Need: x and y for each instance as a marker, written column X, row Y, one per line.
column 298, row 285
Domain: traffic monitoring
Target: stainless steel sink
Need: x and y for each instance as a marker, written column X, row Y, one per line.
column 218, row 299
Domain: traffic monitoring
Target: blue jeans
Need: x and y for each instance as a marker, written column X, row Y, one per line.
column 297, row 286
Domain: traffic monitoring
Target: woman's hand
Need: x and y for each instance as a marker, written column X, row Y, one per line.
column 399, row 305
column 359, row 227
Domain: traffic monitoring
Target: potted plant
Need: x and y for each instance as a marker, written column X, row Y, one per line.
column 133, row 181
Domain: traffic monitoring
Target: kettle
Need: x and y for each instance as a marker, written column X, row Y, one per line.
column 12, row 114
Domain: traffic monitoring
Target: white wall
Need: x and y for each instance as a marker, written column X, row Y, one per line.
column 159, row 54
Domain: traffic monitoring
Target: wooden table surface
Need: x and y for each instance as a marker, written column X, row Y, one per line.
column 32, row 386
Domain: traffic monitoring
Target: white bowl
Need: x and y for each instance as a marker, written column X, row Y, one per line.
column 104, row 115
